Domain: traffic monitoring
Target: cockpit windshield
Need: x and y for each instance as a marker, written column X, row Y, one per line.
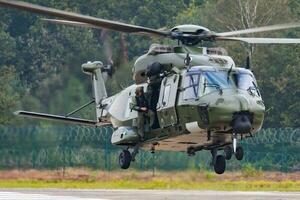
column 216, row 80
column 200, row 82
column 197, row 83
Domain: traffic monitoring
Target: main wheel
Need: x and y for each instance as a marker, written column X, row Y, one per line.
column 125, row 159
column 239, row 154
column 220, row 164
column 228, row 152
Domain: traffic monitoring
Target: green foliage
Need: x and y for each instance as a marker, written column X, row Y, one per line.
column 7, row 46
column 276, row 66
column 46, row 58
column 209, row 175
column 10, row 97
column 249, row 170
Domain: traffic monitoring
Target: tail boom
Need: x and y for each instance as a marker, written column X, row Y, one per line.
column 60, row 118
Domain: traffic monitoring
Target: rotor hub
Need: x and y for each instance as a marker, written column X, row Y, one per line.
column 190, row 34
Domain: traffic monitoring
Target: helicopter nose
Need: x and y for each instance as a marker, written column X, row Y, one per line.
column 235, row 110
column 242, row 122
column 243, row 102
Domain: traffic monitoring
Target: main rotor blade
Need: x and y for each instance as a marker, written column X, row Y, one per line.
column 262, row 40
column 85, row 25
column 260, row 29
column 72, row 23
column 101, row 23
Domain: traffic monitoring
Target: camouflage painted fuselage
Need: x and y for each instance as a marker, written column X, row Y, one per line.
column 196, row 106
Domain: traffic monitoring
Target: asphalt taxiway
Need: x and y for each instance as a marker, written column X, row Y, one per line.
column 73, row 194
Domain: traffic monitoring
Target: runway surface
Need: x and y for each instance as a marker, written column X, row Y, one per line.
column 59, row 194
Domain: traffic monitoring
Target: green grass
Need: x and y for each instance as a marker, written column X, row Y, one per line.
column 249, row 171
column 157, row 184
column 248, row 179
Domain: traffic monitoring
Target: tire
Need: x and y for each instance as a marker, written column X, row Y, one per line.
column 228, row 152
column 239, row 154
column 220, row 164
column 125, row 159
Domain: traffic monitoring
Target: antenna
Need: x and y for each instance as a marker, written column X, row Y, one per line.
column 248, row 59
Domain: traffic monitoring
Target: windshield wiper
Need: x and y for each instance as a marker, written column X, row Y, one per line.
column 250, row 90
column 228, row 73
column 253, row 87
column 217, row 86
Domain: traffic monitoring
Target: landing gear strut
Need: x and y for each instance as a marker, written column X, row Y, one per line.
column 238, row 150
column 234, row 138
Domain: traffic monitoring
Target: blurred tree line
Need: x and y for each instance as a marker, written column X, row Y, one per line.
column 40, row 62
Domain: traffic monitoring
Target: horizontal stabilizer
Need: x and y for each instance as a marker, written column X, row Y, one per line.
column 59, row 118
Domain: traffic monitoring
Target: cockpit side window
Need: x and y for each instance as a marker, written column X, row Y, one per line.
column 247, row 82
column 191, row 86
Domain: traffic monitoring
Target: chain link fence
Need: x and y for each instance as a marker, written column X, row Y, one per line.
column 55, row 147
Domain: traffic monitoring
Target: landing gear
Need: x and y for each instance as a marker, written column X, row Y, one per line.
column 125, row 159
column 218, row 161
column 234, row 138
column 228, row 152
column 238, row 151
column 220, row 164
column 239, row 154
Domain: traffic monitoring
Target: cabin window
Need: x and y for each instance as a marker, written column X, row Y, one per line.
column 166, row 95
column 191, row 86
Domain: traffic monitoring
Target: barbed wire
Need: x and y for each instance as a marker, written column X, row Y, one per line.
column 77, row 146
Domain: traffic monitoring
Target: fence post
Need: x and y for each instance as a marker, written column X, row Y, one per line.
column 153, row 164
column 106, row 151
column 141, row 155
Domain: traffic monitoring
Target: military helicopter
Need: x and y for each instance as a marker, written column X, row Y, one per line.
column 202, row 102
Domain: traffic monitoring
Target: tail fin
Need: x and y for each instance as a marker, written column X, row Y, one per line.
column 95, row 70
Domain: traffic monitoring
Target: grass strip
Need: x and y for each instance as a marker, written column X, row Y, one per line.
column 156, row 184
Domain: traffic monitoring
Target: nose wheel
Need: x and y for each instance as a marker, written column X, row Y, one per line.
column 238, row 150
